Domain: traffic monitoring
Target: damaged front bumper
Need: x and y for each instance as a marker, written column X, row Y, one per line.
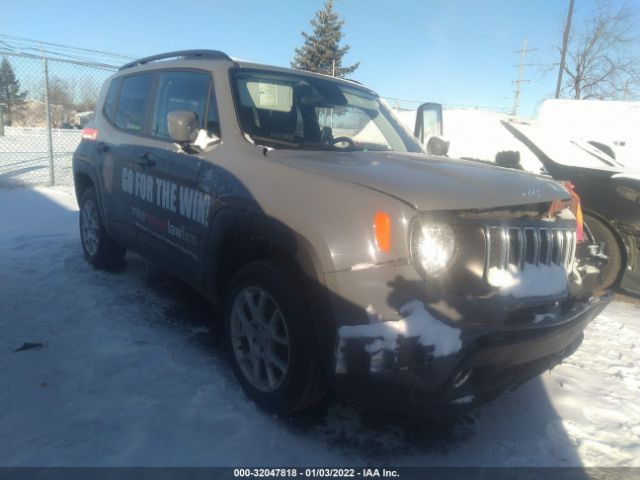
column 412, row 369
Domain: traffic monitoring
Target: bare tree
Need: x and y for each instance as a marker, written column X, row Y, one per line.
column 87, row 94
column 60, row 92
column 600, row 61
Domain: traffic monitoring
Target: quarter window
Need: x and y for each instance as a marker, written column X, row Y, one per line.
column 182, row 91
column 132, row 103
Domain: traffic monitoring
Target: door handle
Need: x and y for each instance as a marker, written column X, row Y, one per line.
column 145, row 160
column 102, row 147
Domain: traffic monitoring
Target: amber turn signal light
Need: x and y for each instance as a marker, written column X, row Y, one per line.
column 382, row 230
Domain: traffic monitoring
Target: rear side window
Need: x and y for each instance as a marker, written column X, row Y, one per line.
column 180, row 91
column 132, row 102
column 110, row 101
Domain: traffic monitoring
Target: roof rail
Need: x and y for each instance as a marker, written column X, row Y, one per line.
column 192, row 54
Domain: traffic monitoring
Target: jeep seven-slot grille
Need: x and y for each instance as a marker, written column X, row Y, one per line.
column 516, row 246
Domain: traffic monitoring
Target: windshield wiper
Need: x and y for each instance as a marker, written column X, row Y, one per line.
column 274, row 141
column 281, row 143
column 277, row 142
column 611, row 163
column 322, row 146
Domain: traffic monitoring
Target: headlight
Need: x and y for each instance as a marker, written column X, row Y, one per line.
column 432, row 247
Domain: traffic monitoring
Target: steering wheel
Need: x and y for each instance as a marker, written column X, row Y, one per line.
column 350, row 142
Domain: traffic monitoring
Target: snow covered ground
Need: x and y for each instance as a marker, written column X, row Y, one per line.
column 24, row 155
column 114, row 369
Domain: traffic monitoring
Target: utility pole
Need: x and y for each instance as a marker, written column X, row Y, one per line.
column 565, row 41
column 516, row 93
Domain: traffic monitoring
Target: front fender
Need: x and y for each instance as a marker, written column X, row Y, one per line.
column 298, row 249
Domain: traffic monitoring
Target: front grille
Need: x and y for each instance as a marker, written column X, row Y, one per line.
column 510, row 247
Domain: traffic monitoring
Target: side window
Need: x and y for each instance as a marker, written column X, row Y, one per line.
column 110, row 101
column 180, row 91
column 132, row 102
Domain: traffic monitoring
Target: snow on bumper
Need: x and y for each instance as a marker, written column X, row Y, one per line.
column 455, row 369
column 382, row 341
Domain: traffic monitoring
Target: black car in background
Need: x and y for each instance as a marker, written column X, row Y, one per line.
column 610, row 194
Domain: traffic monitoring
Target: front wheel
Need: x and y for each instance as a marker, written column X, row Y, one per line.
column 99, row 248
column 271, row 340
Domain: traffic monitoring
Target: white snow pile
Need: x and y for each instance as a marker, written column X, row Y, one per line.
column 104, row 368
column 626, row 176
column 533, row 280
column 416, row 322
column 614, row 123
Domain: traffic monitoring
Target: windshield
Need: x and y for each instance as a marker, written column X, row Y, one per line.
column 283, row 110
column 566, row 151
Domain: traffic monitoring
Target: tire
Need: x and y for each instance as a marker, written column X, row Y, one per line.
column 289, row 376
column 99, row 248
column 598, row 232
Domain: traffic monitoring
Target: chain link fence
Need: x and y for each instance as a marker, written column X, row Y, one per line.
column 44, row 104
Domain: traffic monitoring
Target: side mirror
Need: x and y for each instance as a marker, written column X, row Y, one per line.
column 437, row 146
column 183, row 126
column 428, row 122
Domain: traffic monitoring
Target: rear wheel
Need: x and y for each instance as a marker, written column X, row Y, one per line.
column 599, row 233
column 99, row 248
column 271, row 340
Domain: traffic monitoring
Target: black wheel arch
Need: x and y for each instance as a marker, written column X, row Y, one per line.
column 84, row 177
column 238, row 238
column 82, row 182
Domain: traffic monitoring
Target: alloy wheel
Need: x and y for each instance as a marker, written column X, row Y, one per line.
column 90, row 227
column 260, row 339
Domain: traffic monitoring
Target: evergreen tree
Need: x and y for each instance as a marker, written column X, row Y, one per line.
column 322, row 47
column 10, row 95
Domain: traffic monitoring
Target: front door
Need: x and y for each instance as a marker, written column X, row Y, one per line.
column 172, row 215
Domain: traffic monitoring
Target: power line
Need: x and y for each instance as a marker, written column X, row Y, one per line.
column 31, row 43
column 93, row 64
column 52, row 54
column 392, row 17
column 403, row 20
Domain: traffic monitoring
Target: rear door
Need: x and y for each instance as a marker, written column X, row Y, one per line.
column 126, row 109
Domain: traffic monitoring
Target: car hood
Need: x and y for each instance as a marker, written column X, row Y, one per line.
column 428, row 182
